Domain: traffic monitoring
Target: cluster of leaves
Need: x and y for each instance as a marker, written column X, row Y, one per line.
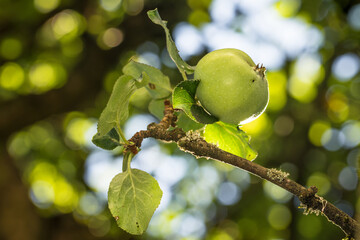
column 133, row 194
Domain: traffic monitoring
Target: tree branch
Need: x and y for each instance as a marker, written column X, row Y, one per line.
column 193, row 143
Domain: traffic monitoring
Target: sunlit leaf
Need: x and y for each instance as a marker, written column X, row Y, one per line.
column 133, row 198
column 184, row 99
column 171, row 47
column 108, row 141
column 155, row 81
column 229, row 138
column 116, row 110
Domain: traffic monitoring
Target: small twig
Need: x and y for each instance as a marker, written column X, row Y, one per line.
column 198, row 147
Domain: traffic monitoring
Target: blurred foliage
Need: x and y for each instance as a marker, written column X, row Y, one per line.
column 59, row 60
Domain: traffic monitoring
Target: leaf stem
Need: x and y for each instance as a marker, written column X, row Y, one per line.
column 121, row 134
column 183, row 74
column 127, row 161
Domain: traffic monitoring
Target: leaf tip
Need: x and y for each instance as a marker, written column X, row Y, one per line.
column 155, row 17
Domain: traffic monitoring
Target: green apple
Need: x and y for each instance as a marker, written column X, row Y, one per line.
column 232, row 87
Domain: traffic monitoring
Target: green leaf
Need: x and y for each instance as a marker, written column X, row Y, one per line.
column 171, row 47
column 156, row 107
column 152, row 78
column 133, row 198
column 184, row 98
column 116, row 111
column 108, row 141
column 231, row 139
column 187, row 124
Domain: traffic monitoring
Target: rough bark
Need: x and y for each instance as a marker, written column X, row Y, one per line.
column 197, row 146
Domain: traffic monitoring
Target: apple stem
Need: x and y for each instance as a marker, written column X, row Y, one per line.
column 260, row 69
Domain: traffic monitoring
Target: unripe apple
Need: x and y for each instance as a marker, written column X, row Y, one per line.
column 232, row 87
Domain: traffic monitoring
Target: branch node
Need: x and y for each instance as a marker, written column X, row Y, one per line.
column 169, row 118
column 277, row 175
column 192, row 135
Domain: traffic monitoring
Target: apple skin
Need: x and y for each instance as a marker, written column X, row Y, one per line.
column 232, row 87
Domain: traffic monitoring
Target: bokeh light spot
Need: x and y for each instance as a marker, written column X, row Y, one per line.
column 198, row 17
column 304, row 92
column 191, row 225
column 65, row 195
column 306, row 73
column 288, row 8
column 148, row 46
column 277, row 87
column 279, row 217
column 351, row 130
column 45, row 6
column 260, row 126
column 332, row 139
column 283, row 125
column 77, row 128
column 133, row 7
column 44, row 76
column 308, row 69
column 276, row 193
column 112, row 37
column 110, row 5
column 346, row 207
column 346, row 66
column 228, row 193
column 12, row 76
column 10, row 48
column 317, row 129
column 222, row 12
column 309, row 226
column 90, row 204
column 240, row 177
column 42, row 194
column 19, row 144
column 67, row 25
column 188, row 40
column 49, row 188
column 149, row 58
column 348, row 178
column 354, row 17
column 338, row 108
column 321, row 181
